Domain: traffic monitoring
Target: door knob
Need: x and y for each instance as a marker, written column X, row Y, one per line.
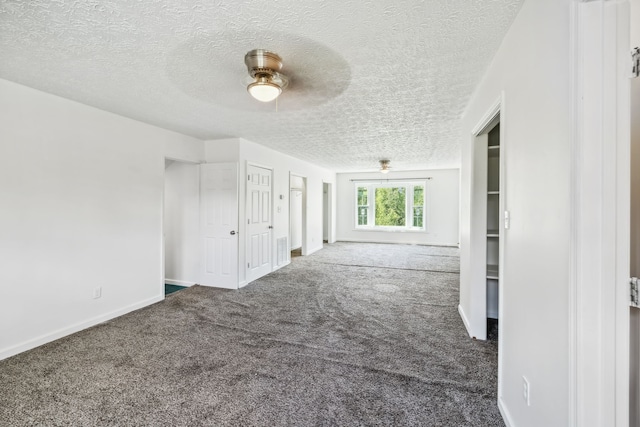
column 232, row 233
column 271, row 226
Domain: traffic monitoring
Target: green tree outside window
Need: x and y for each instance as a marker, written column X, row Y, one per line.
column 418, row 206
column 363, row 206
column 390, row 206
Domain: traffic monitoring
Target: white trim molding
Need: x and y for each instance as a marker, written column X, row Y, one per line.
column 465, row 321
column 178, row 282
column 599, row 313
column 77, row 327
column 506, row 416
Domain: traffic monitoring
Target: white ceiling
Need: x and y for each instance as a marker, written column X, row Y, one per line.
column 369, row 79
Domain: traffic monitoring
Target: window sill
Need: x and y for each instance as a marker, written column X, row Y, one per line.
column 390, row 230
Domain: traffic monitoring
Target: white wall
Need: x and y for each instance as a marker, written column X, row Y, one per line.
column 81, row 192
column 283, row 165
column 442, row 212
column 532, row 68
column 181, row 223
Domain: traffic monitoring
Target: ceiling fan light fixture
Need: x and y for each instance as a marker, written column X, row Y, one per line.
column 264, row 67
column 384, row 166
column 264, row 90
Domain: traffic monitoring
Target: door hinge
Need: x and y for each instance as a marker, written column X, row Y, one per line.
column 248, row 177
column 633, row 294
column 635, row 62
column 248, row 265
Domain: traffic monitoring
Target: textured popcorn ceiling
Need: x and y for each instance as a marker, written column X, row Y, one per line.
column 369, row 79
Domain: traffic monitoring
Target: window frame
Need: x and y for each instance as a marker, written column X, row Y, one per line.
column 409, row 186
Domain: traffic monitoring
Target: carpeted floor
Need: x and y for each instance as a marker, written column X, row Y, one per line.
column 356, row 334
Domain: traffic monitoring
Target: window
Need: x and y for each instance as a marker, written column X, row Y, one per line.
column 418, row 206
column 363, row 206
column 390, row 206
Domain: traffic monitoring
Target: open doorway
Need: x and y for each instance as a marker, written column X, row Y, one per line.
column 297, row 215
column 180, row 224
column 326, row 212
column 489, row 220
column 493, row 230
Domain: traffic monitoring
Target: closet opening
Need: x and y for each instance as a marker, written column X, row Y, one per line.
column 493, row 231
column 180, row 223
column 297, row 214
column 326, row 212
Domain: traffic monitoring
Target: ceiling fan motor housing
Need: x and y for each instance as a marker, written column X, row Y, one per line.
column 262, row 62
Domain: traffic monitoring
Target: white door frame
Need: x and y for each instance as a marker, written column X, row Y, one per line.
column 598, row 293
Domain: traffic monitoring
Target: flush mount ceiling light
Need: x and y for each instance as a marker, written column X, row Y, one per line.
column 384, row 166
column 264, row 68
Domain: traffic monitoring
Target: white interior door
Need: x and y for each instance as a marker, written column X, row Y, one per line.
column 259, row 222
column 219, row 225
column 634, row 270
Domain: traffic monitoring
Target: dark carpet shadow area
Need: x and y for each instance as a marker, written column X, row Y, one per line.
column 317, row 343
column 169, row 289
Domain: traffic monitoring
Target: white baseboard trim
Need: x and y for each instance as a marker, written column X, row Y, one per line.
column 465, row 320
column 219, row 287
column 278, row 267
column 506, row 416
column 77, row 327
column 178, row 282
column 310, row 251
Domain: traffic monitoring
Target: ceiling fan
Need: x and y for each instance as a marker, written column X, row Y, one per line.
column 264, row 68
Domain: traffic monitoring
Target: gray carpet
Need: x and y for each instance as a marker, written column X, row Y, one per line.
column 356, row 334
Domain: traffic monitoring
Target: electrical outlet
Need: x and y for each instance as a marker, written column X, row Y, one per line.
column 97, row 292
column 526, row 390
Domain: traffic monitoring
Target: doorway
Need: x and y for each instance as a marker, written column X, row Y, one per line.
column 326, row 212
column 297, row 215
column 180, row 223
column 489, row 221
column 295, row 229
